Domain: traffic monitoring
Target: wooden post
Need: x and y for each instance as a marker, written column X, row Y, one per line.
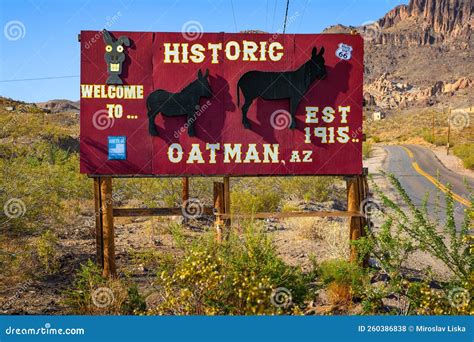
column 219, row 208
column 98, row 223
column 354, row 198
column 109, row 269
column 227, row 222
column 185, row 196
column 433, row 125
column 449, row 130
column 185, row 183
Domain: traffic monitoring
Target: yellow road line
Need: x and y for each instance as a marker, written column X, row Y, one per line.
column 410, row 153
column 440, row 186
column 433, row 180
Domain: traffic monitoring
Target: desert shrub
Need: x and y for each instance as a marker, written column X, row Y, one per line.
column 317, row 189
column 247, row 202
column 289, row 207
column 248, row 194
column 91, row 293
column 412, row 228
column 339, row 293
column 443, row 240
column 466, row 153
column 150, row 258
column 165, row 192
column 47, row 249
column 343, row 280
column 341, row 272
column 239, row 277
column 366, row 149
column 307, row 227
column 36, row 182
column 331, row 233
column 39, row 196
column 439, row 139
column 375, row 138
column 451, row 299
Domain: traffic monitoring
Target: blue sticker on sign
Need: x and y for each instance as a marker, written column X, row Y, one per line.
column 117, row 148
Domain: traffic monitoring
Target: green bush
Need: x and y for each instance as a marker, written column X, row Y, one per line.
column 439, row 139
column 91, row 293
column 466, row 153
column 239, row 277
column 318, row 189
column 366, row 149
column 341, row 271
column 40, row 184
column 412, row 228
column 47, row 249
column 246, row 201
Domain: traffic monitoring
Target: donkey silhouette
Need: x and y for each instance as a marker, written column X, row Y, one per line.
column 290, row 85
column 186, row 102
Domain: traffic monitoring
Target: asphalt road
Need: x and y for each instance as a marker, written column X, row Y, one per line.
column 422, row 174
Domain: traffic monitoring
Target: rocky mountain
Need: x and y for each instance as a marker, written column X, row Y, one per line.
column 419, row 54
column 59, row 106
column 428, row 22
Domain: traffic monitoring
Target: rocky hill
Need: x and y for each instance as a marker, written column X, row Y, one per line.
column 59, row 106
column 419, row 54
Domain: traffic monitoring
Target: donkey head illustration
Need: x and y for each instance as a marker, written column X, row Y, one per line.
column 114, row 56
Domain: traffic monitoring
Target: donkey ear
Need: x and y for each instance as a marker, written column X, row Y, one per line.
column 124, row 40
column 321, row 52
column 313, row 52
column 207, row 73
column 199, row 73
column 107, row 37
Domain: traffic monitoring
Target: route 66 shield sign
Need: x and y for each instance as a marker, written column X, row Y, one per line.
column 344, row 51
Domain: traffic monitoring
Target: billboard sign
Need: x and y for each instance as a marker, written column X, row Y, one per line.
column 172, row 104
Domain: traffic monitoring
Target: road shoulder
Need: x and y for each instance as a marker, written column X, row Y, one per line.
column 451, row 162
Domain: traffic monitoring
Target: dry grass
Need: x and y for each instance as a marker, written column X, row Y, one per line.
column 339, row 294
column 416, row 126
column 333, row 234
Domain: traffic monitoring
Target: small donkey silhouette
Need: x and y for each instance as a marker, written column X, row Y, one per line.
column 290, row 85
column 186, row 102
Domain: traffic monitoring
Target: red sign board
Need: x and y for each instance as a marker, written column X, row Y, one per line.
column 221, row 104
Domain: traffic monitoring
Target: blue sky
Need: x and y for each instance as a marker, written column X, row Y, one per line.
column 39, row 37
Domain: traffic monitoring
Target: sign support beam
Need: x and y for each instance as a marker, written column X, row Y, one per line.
column 356, row 194
column 105, row 244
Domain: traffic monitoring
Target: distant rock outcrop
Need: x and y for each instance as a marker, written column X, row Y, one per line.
column 388, row 94
column 60, row 106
